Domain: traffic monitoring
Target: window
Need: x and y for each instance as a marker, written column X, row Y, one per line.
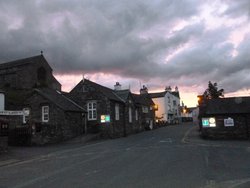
column 145, row 109
column 174, row 102
column 26, row 114
column 92, row 114
column 117, row 114
column 130, row 115
column 45, row 113
column 136, row 114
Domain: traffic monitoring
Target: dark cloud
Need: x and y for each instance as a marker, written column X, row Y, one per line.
column 237, row 8
column 131, row 39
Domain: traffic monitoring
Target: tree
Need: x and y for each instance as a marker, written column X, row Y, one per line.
column 212, row 91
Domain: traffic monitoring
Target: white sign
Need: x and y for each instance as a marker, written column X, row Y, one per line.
column 11, row 113
column 229, row 122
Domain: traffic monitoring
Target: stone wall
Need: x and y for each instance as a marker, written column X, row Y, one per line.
column 105, row 106
column 240, row 130
column 62, row 125
column 26, row 76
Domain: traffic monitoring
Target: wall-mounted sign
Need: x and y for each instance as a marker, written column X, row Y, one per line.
column 208, row 122
column 229, row 122
column 11, row 113
column 105, row 118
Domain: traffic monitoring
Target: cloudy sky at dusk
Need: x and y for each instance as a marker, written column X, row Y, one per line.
column 155, row 43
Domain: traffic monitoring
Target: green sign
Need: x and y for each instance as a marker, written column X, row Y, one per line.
column 105, row 118
column 205, row 122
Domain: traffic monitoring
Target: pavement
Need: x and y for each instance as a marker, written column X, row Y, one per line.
column 192, row 136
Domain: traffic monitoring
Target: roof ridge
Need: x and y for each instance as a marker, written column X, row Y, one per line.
column 22, row 59
column 105, row 88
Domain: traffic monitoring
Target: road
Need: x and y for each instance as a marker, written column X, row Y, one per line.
column 172, row 156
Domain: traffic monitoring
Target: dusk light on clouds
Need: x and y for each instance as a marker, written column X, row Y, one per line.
column 182, row 43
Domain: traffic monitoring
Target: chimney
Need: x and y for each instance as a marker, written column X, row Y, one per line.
column 176, row 89
column 168, row 88
column 143, row 90
column 117, row 86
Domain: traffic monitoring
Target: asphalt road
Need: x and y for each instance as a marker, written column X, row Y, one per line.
column 172, row 156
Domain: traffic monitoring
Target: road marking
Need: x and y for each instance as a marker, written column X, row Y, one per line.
column 185, row 137
column 205, row 143
column 56, row 172
column 15, row 162
column 8, row 162
column 228, row 184
column 168, row 140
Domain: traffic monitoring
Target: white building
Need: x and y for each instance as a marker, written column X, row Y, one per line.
column 168, row 103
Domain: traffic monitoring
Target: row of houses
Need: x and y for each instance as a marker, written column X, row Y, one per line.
column 32, row 102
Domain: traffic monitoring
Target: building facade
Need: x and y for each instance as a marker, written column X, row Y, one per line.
column 145, row 111
column 168, row 103
column 28, row 73
column 52, row 116
column 225, row 117
column 106, row 110
column 29, row 86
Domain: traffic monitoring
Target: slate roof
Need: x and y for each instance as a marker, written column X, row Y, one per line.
column 60, row 100
column 25, row 61
column 158, row 95
column 143, row 99
column 123, row 94
column 162, row 94
column 176, row 93
column 109, row 93
column 233, row 105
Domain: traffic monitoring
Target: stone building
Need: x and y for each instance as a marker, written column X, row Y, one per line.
column 28, row 73
column 145, row 108
column 30, row 86
column 53, row 116
column 225, row 117
column 105, row 108
column 132, row 124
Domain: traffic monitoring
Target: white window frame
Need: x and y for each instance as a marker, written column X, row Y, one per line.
column 92, row 110
column 130, row 115
column 136, row 115
column 117, row 112
column 45, row 113
column 25, row 116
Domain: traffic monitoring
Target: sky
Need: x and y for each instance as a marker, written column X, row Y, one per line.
column 159, row 43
